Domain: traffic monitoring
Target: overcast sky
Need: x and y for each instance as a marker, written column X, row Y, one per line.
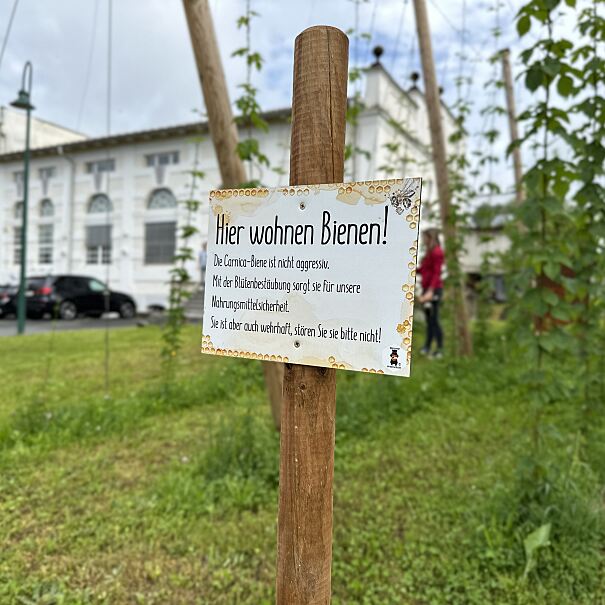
column 154, row 80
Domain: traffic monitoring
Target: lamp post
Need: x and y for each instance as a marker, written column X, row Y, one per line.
column 23, row 102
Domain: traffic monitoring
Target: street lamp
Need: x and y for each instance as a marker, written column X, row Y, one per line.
column 23, row 102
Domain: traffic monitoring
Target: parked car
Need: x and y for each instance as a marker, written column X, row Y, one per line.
column 67, row 296
column 8, row 300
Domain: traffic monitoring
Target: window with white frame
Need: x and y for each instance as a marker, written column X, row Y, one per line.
column 18, row 211
column 19, row 180
column 98, row 244
column 161, row 199
column 47, row 172
column 160, row 243
column 17, row 245
column 47, row 208
column 45, row 244
column 99, row 203
column 106, row 165
column 162, row 158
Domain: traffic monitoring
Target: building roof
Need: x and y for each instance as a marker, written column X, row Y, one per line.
column 180, row 130
column 141, row 136
column 406, row 93
column 34, row 118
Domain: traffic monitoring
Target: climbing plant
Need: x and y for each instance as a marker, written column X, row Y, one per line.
column 250, row 117
column 479, row 165
column 556, row 267
column 356, row 104
column 585, row 85
column 552, row 250
column 180, row 279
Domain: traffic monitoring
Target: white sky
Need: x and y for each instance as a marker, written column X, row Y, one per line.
column 154, row 80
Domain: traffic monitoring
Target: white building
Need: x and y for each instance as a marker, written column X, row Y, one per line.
column 108, row 207
column 43, row 133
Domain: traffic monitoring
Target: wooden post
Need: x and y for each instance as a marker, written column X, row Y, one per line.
column 274, row 378
column 214, row 87
column 512, row 124
column 304, row 537
column 223, row 131
column 433, row 103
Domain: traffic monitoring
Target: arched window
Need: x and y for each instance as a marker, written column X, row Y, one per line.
column 46, row 208
column 99, row 203
column 160, row 237
column 18, row 210
column 160, row 199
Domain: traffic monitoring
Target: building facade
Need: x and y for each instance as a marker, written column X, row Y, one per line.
column 109, row 207
column 43, row 133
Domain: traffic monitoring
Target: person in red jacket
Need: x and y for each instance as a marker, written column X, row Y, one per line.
column 432, row 290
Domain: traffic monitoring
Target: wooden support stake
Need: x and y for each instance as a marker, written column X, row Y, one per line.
column 214, row 87
column 433, row 102
column 512, row 124
column 224, row 137
column 304, row 537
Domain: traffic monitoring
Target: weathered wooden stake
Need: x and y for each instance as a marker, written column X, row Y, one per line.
column 224, row 137
column 433, row 103
column 512, row 124
column 304, row 537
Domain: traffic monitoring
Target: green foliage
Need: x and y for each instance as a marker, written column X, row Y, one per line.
column 557, row 277
column 180, row 282
column 538, row 539
column 238, row 471
column 95, row 417
column 557, row 256
column 484, row 301
column 549, row 512
column 249, row 149
column 175, row 499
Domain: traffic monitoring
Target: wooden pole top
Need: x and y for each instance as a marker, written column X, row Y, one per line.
column 319, row 105
column 323, row 28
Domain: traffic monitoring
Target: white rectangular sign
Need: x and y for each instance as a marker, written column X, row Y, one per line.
column 320, row 275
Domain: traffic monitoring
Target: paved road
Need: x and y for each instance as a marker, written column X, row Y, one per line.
column 8, row 327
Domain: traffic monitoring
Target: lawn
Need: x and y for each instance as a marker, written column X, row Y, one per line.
column 166, row 493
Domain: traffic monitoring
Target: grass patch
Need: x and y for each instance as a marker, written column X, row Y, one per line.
column 169, row 495
column 239, row 471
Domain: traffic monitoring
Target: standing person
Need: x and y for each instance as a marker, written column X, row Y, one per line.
column 432, row 290
column 203, row 260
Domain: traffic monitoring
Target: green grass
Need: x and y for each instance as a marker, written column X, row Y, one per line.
column 163, row 495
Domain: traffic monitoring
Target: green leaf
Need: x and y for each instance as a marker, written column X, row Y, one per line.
column 523, row 25
column 534, row 77
column 538, row 539
column 552, row 270
column 565, row 86
column 561, row 313
column 551, row 66
column 259, row 122
column 550, row 298
column 240, row 52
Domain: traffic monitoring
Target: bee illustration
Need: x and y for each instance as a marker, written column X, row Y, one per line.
column 401, row 199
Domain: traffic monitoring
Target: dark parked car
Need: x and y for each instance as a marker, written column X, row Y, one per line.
column 68, row 296
column 8, row 300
